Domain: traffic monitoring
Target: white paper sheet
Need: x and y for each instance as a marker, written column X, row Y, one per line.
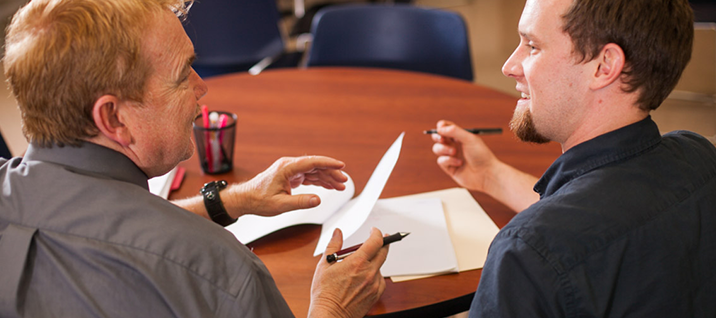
column 427, row 250
column 352, row 215
column 161, row 185
column 251, row 227
column 471, row 229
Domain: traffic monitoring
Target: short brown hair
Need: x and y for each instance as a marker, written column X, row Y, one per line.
column 62, row 55
column 655, row 35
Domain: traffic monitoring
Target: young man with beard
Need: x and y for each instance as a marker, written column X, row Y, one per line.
column 622, row 223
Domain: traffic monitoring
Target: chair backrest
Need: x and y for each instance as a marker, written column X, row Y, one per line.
column 233, row 34
column 4, row 150
column 704, row 10
column 391, row 36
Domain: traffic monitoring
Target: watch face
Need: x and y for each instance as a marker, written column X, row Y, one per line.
column 209, row 190
column 213, row 204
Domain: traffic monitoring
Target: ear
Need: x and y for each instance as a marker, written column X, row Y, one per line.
column 108, row 119
column 610, row 64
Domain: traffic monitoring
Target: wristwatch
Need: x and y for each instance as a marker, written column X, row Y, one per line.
column 212, row 202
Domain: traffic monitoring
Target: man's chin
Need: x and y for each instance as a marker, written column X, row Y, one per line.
column 189, row 152
column 523, row 127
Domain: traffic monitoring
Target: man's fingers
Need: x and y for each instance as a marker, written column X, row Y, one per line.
column 382, row 255
column 446, row 161
column 443, row 123
column 336, row 242
column 316, row 170
column 444, row 150
column 309, row 164
column 329, row 179
column 285, row 203
column 455, row 132
column 371, row 247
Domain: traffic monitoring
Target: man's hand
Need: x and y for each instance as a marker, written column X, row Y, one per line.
column 466, row 158
column 349, row 288
column 269, row 193
column 463, row 156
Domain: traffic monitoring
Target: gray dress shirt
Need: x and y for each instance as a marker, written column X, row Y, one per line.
column 81, row 236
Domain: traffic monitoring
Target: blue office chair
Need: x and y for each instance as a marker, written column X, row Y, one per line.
column 704, row 10
column 234, row 36
column 391, row 36
column 4, row 150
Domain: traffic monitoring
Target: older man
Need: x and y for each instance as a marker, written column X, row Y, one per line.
column 621, row 225
column 108, row 97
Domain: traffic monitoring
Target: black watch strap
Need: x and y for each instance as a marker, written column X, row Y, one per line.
column 212, row 202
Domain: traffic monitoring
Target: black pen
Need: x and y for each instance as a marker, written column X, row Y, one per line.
column 345, row 252
column 476, row 131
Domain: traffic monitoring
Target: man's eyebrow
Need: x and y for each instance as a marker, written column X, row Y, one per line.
column 527, row 35
column 187, row 66
column 191, row 59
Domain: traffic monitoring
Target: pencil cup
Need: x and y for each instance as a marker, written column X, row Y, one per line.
column 215, row 143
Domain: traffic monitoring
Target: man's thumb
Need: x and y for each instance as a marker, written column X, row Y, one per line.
column 336, row 242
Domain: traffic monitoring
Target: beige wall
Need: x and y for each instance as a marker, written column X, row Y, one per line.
column 691, row 106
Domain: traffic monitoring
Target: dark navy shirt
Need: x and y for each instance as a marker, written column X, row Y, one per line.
column 625, row 227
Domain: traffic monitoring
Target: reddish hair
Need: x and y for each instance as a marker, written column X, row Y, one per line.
column 62, row 55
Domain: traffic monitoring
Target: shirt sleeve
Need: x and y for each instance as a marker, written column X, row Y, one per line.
column 517, row 281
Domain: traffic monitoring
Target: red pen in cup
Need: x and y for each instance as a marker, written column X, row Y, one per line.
column 207, row 136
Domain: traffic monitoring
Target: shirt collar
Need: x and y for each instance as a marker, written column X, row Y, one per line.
column 90, row 159
column 614, row 146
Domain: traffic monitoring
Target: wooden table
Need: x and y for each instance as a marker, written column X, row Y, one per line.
column 354, row 115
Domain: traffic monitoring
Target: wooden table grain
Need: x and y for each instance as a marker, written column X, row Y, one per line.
column 354, row 114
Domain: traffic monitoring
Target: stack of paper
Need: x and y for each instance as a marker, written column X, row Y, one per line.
column 471, row 230
column 427, row 250
column 450, row 232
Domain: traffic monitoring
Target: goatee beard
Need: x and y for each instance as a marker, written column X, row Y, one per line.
column 524, row 128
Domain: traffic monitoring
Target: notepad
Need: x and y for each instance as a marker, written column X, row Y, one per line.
column 428, row 249
column 337, row 209
column 471, row 229
column 425, row 252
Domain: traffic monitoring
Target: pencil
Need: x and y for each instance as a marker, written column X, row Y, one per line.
column 476, row 131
